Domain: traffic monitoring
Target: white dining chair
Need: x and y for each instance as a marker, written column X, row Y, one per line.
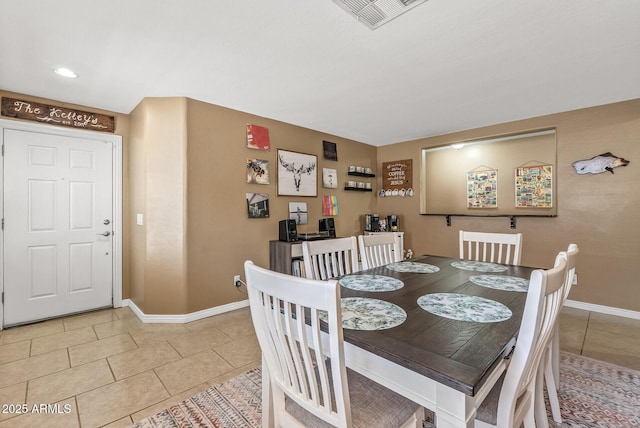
column 305, row 380
column 552, row 359
column 511, row 401
column 379, row 250
column 329, row 258
column 491, row 247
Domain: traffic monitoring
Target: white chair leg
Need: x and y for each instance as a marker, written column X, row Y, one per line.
column 267, row 399
column 550, row 382
column 540, row 410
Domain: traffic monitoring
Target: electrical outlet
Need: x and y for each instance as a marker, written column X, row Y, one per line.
column 236, row 280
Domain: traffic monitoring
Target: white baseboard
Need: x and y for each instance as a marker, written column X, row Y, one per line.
column 603, row 309
column 183, row 318
column 193, row 316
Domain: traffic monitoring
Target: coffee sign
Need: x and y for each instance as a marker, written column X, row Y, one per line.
column 397, row 178
column 61, row 116
column 397, row 174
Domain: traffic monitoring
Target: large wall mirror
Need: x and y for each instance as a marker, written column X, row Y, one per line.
column 507, row 175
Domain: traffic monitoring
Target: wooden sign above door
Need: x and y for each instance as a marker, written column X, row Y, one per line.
column 61, row 116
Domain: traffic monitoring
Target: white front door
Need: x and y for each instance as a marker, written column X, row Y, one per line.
column 58, row 225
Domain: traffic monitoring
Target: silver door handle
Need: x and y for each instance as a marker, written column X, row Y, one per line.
column 107, row 233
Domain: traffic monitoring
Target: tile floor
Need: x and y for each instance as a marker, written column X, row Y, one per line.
column 106, row 368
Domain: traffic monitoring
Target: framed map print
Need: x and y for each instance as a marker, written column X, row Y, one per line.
column 482, row 189
column 534, row 186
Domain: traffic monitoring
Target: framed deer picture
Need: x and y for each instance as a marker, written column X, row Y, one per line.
column 297, row 174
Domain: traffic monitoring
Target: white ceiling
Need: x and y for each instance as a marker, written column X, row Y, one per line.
column 446, row 65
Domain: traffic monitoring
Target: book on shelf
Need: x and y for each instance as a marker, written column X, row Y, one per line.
column 297, row 268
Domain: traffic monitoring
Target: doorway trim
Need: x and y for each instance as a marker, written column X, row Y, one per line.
column 116, row 140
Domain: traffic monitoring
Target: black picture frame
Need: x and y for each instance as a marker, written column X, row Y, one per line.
column 330, row 150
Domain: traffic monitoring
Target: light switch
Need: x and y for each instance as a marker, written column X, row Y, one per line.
column 139, row 221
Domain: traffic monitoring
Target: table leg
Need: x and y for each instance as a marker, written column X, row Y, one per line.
column 454, row 409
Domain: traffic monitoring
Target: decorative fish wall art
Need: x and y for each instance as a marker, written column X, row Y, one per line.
column 601, row 163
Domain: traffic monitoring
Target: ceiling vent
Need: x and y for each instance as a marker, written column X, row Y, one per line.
column 374, row 13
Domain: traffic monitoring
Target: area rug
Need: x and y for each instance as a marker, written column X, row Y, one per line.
column 592, row 394
column 597, row 394
column 235, row 403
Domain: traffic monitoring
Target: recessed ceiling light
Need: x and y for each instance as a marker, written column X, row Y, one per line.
column 65, row 72
column 457, row 146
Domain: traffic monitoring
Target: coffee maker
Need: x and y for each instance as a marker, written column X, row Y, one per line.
column 392, row 223
column 372, row 222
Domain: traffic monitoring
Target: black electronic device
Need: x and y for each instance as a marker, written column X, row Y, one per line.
column 392, row 223
column 288, row 230
column 327, row 225
column 372, row 222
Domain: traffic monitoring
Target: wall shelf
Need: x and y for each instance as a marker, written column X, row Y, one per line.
column 360, row 189
column 360, row 174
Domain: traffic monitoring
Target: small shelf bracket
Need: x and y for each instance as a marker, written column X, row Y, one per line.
column 512, row 217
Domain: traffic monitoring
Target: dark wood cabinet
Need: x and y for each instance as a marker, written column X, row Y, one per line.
column 283, row 254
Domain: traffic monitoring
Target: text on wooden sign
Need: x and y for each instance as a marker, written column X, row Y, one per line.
column 37, row 112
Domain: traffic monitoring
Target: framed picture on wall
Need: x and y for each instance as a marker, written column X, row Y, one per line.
column 330, row 150
column 297, row 174
column 329, row 178
column 258, row 137
column 298, row 212
column 257, row 171
column 482, row 189
column 534, row 186
column 258, row 205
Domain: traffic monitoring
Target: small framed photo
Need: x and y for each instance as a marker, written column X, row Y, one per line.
column 298, row 212
column 257, row 171
column 330, row 150
column 258, row 205
column 329, row 178
column 297, row 174
column 258, row 137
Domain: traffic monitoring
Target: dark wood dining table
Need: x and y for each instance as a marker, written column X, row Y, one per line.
column 444, row 364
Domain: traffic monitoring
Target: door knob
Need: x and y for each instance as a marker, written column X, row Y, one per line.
column 107, row 233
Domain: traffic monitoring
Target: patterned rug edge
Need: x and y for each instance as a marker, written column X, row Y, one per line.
column 593, row 393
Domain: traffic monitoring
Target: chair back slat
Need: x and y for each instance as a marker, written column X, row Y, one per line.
column 379, row 250
column 502, row 248
column 330, row 258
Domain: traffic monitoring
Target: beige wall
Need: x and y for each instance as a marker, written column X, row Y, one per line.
column 598, row 212
column 220, row 234
column 122, row 129
column 190, row 184
column 158, row 153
